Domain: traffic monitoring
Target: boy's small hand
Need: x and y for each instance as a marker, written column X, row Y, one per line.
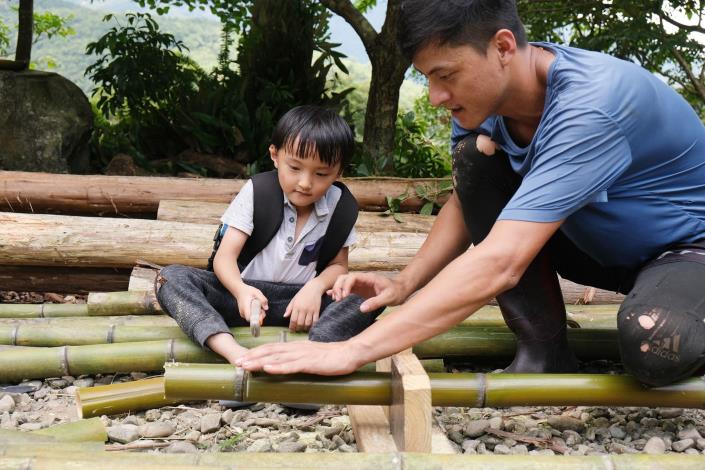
column 303, row 309
column 244, row 298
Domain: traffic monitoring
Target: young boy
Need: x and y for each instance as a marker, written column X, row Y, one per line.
column 310, row 146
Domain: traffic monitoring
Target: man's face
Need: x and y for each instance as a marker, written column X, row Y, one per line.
column 461, row 79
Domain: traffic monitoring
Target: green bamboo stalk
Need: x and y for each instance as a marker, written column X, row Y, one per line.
column 83, row 322
column 146, row 356
column 122, row 397
column 122, row 303
column 149, row 393
column 78, row 431
column 466, row 341
column 212, row 381
column 42, row 310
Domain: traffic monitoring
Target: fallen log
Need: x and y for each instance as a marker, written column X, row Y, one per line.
column 62, row 280
column 54, row 240
column 225, row 382
column 197, row 212
column 139, row 196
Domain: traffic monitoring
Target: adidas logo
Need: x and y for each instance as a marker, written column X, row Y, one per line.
column 666, row 348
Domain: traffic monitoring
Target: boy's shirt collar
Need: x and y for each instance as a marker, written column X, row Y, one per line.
column 320, row 206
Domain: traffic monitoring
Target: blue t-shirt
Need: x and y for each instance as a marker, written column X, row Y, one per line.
column 618, row 154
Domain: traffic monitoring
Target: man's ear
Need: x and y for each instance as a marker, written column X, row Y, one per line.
column 505, row 45
column 273, row 155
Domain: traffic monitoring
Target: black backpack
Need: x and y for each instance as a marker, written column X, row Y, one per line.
column 269, row 213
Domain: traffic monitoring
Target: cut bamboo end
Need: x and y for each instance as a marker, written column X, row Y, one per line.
column 123, row 303
column 122, row 398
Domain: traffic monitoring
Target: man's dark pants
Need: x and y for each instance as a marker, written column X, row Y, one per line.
column 661, row 321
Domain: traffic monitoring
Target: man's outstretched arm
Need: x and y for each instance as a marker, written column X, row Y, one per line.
column 462, row 287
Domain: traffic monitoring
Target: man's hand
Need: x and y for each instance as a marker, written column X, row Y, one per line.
column 244, row 296
column 379, row 291
column 301, row 356
column 304, row 309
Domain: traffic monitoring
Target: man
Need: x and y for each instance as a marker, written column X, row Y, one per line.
column 566, row 161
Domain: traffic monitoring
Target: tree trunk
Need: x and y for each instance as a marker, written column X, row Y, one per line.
column 140, row 195
column 54, row 240
column 388, row 69
column 23, row 53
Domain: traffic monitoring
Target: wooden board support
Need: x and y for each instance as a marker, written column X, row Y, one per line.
column 374, row 426
column 410, row 413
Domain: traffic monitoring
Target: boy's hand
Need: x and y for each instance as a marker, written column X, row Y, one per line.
column 244, row 297
column 304, row 309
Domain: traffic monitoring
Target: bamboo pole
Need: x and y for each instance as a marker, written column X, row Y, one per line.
column 147, row 356
column 140, row 195
column 122, row 303
column 149, row 393
column 42, row 310
column 462, row 341
column 56, row 240
column 77, row 431
column 199, row 212
column 54, row 457
column 212, row 382
column 122, row 398
column 89, row 322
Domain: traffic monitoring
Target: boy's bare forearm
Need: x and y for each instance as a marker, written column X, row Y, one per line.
column 226, row 270
column 326, row 279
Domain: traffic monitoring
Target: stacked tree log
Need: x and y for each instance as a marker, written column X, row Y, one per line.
column 62, row 253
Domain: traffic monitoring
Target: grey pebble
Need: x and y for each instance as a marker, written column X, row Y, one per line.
column 83, row 383
column 260, row 445
column 670, row 412
column 181, row 447
column 210, row 423
column 123, row 433
column 700, row 444
column 132, row 419
column 7, row 404
column 683, row 444
column 476, row 428
column 617, row 432
column 563, row 423
column 501, row 449
column 291, row 446
column 655, row 446
column 157, row 429
column 469, row 444
column 689, row 433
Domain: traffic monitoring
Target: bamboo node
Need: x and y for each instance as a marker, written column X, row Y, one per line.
column 15, row 332
column 171, row 355
column 240, row 379
column 41, row 311
column 481, row 390
column 64, row 358
column 111, row 334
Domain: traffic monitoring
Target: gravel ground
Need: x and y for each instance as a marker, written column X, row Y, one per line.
column 262, row 427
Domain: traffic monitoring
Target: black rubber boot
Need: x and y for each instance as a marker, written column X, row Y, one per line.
column 533, row 309
column 535, row 313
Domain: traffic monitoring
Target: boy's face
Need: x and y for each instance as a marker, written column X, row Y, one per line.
column 303, row 180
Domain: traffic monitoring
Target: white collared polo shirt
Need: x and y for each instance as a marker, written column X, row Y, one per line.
column 285, row 259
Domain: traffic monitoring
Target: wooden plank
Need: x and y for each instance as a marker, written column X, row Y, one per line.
column 371, row 429
column 410, row 413
column 63, row 280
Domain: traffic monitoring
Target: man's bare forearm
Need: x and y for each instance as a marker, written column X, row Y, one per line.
column 447, row 240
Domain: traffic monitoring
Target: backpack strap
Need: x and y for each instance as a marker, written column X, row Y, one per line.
column 341, row 223
column 268, row 212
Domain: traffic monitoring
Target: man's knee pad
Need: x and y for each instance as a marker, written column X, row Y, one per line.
column 662, row 321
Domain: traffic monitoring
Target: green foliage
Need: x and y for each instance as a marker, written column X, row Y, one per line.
column 429, row 193
column 364, row 5
column 650, row 33
column 46, row 26
column 140, row 71
column 229, row 444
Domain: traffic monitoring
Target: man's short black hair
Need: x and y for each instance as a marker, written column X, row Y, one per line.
column 308, row 131
column 456, row 23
